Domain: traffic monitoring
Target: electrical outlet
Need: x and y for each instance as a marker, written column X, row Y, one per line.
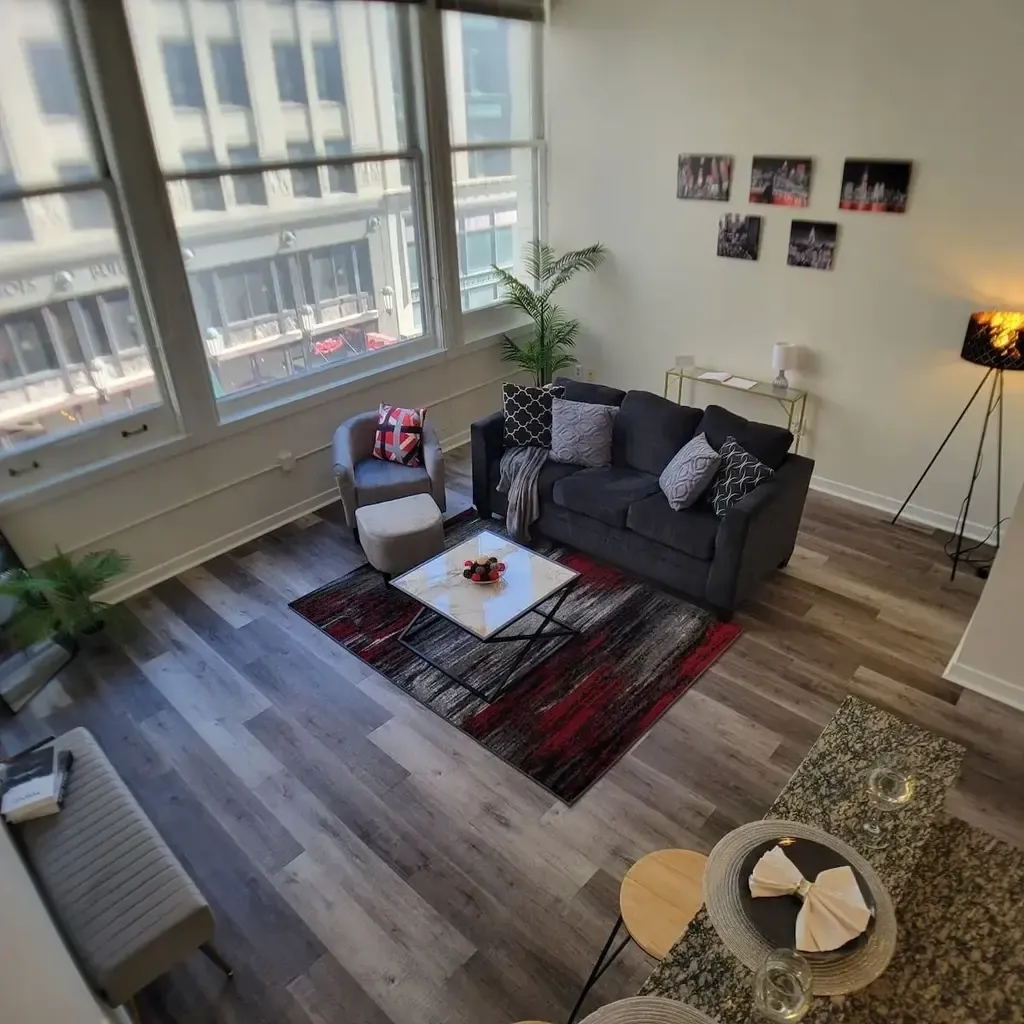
column 590, row 374
column 578, row 370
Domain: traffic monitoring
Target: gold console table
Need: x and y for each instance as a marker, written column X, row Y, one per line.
column 792, row 400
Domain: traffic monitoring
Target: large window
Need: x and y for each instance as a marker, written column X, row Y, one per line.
column 60, row 376
column 182, row 71
column 87, row 211
column 291, row 78
column 249, row 188
column 51, row 73
column 305, row 181
column 258, row 175
column 229, row 74
column 327, row 60
column 340, row 178
column 496, row 142
column 206, row 193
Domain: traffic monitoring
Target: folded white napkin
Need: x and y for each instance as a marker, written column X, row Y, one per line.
column 834, row 910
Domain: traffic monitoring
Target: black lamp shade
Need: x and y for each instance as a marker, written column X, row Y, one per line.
column 995, row 340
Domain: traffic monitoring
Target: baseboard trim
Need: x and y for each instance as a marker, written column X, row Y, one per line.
column 457, row 440
column 987, row 685
column 133, row 585
column 914, row 513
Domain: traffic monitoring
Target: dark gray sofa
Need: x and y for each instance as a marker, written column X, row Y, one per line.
column 619, row 514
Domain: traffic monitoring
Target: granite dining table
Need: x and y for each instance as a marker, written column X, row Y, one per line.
column 958, row 892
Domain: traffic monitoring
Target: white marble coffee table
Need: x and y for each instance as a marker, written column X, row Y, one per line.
column 487, row 610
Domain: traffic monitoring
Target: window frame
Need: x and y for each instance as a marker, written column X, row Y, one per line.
column 114, row 115
column 484, row 322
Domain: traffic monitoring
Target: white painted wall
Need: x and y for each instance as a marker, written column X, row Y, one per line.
column 39, row 982
column 632, row 85
column 988, row 657
column 175, row 512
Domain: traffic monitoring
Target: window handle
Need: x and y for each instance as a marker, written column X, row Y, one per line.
column 136, row 431
column 24, row 469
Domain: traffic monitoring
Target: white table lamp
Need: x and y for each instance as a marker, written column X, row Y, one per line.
column 783, row 359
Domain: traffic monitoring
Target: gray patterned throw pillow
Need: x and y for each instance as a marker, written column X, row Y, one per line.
column 739, row 475
column 582, row 433
column 687, row 476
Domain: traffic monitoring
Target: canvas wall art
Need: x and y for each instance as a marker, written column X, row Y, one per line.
column 876, row 186
column 781, row 180
column 704, row 177
column 739, row 236
column 812, row 243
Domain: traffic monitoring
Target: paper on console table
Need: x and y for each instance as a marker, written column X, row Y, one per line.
column 741, row 382
column 715, row 375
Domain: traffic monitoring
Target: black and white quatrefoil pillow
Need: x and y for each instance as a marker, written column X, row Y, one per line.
column 528, row 414
column 739, row 474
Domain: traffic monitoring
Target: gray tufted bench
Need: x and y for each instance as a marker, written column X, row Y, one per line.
column 123, row 902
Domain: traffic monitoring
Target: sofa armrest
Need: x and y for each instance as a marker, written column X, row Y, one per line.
column 353, row 441
column 488, row 442
column 433, row 460
column 758, row 534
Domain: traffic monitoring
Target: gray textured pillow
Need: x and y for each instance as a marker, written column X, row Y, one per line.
column 687, row 476
column 582, row 433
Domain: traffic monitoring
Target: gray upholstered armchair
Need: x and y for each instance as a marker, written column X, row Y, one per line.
column 364, row 480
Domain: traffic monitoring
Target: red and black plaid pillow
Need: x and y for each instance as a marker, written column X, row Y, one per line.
column 399, row 435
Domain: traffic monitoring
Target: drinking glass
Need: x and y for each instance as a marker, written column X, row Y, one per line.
column 890, row 785
column 783, row 987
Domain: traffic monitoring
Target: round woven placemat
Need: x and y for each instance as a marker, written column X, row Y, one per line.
column 647, row 1010
column 722, row 899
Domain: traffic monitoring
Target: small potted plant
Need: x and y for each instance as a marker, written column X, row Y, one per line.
column 55, row 599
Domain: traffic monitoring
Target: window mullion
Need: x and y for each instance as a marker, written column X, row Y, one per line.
column 439, row 184
column 157, row 268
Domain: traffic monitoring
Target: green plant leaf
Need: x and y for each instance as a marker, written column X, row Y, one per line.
column 56, row 595
column 539, row 261
column 572, row 263
column 554, row 330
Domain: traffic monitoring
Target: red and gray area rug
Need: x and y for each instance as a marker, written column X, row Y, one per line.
column 565, row 723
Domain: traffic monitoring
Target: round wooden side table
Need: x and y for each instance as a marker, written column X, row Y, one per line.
column 659, row 897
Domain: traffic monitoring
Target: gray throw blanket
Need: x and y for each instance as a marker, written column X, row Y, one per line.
column 520, row 468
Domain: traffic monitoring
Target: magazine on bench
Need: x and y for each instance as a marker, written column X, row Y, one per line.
column 33, row 784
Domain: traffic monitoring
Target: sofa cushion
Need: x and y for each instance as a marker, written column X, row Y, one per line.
column 550, row 473
column 740, row 474
column 691, row 530
column 763, row 440
column 377, row 480
column 592, row 394
column 649, row 430
column 604, row 494
column 581, row 432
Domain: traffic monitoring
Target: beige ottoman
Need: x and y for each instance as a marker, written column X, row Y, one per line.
column 396, row 535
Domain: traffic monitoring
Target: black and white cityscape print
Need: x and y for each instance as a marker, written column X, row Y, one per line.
column 739, row 236
column 812, row 243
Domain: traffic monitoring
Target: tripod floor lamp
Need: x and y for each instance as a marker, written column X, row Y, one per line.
column 994, row 341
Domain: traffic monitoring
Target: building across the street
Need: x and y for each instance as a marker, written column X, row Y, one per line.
column 287, row 268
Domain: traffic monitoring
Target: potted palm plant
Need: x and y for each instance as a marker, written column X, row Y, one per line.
column 546, row 350
column 56, row 598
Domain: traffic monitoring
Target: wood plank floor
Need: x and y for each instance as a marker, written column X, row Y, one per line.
column 369, row 864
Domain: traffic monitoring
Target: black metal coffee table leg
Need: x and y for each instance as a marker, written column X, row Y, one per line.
column 604, row 961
